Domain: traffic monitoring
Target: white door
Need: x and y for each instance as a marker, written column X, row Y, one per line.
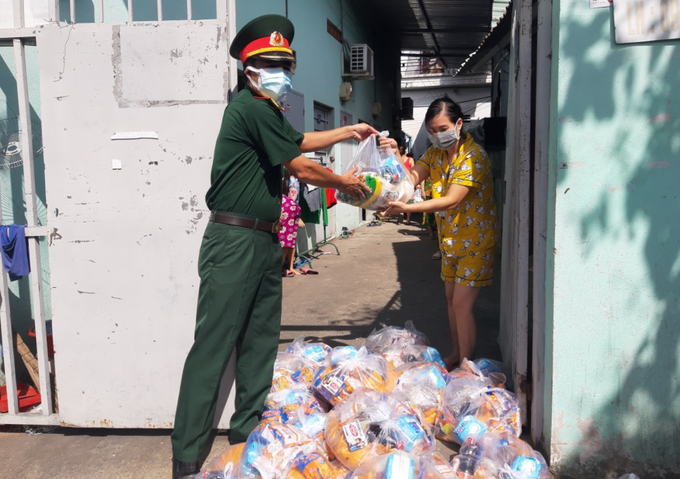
column 130, row 116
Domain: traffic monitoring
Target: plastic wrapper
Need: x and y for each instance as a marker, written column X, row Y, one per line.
column 435, row 466
column 312, row 462
column 471, row 406
column 389, row 338
column 225, row 466
column 395, row 465
column 271, row 450
column 289, row 405
column 423, row 384
column 498, row 455
column 351, row 369
column 291, row 370
column 383, row 173
column 407, row 352
column 485, row 369
column 369, row 424
column 318, row 353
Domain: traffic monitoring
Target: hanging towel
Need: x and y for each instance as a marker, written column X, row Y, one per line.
column 312, row 196
column 306, row 215
column 14, row 251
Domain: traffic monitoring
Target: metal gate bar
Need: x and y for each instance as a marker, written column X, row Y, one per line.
column 32, row 220
column 32, row 233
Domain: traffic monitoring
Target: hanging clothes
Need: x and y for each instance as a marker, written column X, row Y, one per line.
column 14, row 251
column 306, row 213
column 312, row 196
column 330, row 196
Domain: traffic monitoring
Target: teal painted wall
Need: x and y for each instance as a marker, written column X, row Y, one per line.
column 614, row 331
column 318, row 75
column 11, row 179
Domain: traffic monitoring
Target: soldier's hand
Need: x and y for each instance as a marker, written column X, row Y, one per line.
column 361, row 131
column 354, row 186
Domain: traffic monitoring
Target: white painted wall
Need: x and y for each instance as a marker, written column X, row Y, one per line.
column 125, row 242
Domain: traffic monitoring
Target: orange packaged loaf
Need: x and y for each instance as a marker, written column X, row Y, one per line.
column 271, row 450
column 291, row 370
column 423, row 384
column 351, row 369
column 226, row 465
column 368, row 424
column 471, row 406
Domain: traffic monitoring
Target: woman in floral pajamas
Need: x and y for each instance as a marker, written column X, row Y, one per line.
column 290, row 222
column 465, row 209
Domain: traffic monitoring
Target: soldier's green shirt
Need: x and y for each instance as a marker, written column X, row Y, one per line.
column 254, row 140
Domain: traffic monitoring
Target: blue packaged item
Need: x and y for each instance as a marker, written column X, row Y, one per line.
column 431, row 355
column 468, row 426
column 526, row 467
column 411, row 431
column 487, row 366
column 315, row 352
column 400, row 467
column 392, row 169
column 343, row 353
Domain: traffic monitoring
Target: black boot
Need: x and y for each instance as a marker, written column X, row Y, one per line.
column 184, row 470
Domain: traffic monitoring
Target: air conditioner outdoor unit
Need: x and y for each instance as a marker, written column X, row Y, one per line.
column 361, row 60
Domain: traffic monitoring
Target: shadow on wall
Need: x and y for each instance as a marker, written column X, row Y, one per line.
column 625, row 99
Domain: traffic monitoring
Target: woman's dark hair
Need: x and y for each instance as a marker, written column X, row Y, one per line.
column 446, row 106
column 285, row 185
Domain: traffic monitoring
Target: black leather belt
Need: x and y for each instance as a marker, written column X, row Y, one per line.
column 253, row 224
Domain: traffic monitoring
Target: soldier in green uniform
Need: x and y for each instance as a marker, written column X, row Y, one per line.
column 239, row 299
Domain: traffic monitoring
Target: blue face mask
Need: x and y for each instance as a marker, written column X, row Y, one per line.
column 273, row 82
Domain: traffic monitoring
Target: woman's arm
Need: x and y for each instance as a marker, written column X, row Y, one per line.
column 453, row 198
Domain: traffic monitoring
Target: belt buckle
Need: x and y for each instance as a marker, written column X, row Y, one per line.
column 276, row 227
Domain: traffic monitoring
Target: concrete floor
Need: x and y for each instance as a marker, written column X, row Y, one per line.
column 384, row 275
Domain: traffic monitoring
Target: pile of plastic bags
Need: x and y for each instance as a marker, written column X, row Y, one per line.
column 374, row 413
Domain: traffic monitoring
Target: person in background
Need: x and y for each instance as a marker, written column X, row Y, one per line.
column 290, row 222
column 462, row 198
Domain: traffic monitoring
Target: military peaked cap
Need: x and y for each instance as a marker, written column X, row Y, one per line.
column 268, row 37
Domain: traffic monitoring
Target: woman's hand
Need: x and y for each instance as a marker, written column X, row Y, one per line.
column 395, row 208
column 301, row 224
column 361, row 131
column 386, row 143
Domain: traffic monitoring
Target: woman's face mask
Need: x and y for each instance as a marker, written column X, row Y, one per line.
column 444, row 140
column 273, row 82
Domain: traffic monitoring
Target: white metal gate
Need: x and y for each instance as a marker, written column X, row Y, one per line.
column 130, row 113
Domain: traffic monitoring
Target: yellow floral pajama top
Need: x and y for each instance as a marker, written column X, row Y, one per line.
column 468, row 234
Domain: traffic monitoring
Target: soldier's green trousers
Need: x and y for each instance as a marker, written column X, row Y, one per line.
column 239, row 305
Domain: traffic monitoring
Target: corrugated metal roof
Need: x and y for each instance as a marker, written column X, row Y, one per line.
column 495, row 36
column 447, row 29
